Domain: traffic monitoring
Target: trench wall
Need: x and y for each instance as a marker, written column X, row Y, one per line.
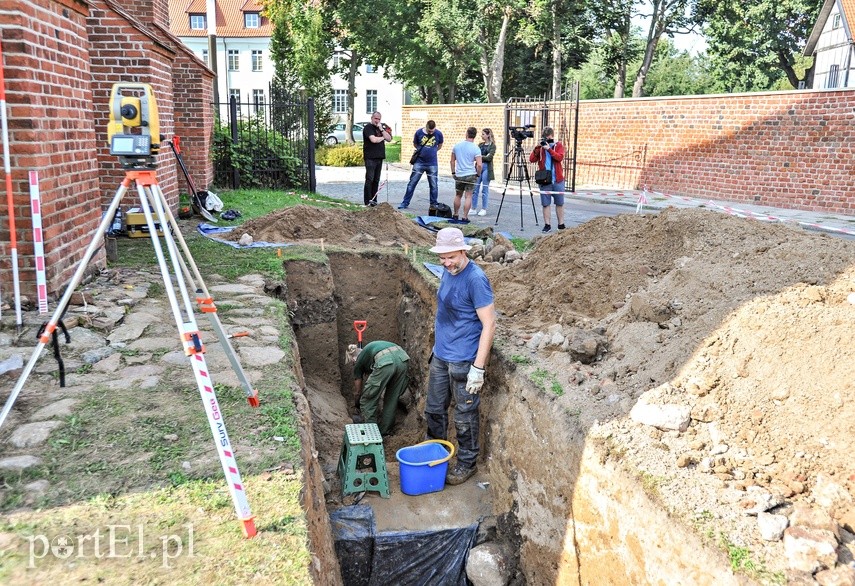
column 783, row 149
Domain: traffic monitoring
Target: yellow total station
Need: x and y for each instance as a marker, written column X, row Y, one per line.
column 134, row 127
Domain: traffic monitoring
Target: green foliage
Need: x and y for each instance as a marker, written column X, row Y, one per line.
column 517, row 359
column 258, row 150
column 341, row 155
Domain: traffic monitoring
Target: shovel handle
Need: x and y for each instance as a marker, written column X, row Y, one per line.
column 359, row 326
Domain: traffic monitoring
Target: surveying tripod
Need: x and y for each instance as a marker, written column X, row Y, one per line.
column 136, row 153
column 518, row 171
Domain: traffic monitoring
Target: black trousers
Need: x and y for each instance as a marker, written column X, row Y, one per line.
column 373, row 169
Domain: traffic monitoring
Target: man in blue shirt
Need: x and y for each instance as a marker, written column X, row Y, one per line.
column 465, row 168
column 427, row 141
column 463, row 335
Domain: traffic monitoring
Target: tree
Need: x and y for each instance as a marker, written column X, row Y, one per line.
column 667, row 17
column 754, row 43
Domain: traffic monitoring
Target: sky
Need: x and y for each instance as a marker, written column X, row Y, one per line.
column 693, row 43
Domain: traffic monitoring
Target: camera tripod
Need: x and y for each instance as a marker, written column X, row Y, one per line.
column 156, row 211
column 518, row 171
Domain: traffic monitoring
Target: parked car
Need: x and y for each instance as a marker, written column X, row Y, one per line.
column 336, row 135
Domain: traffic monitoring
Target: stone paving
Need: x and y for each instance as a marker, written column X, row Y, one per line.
column 112, row 314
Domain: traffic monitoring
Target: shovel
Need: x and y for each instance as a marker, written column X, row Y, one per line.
column 359, row 326
column 196, row 201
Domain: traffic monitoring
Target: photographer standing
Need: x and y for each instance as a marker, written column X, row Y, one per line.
column 549, row 155
column 427, row 141
column 374, row 139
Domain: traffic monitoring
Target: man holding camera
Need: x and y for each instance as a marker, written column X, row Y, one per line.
column 374, row 139
column 427, row 141
column 549, row 156
column 465, row 168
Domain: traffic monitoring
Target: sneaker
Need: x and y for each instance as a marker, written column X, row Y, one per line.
column 403, row 207
column 546, row 228
column 459, row 474
column 464, row 220
column 482, row 212
column 561, row 226
column 372, row 203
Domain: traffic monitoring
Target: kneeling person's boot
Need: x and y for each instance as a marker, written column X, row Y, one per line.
column 459, row 474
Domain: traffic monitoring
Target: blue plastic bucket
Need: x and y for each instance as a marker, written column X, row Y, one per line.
column 423, row 466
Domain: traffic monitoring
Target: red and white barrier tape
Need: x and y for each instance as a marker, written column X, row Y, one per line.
column 38, row 241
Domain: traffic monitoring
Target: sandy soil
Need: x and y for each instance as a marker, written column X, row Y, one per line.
column 746, row 323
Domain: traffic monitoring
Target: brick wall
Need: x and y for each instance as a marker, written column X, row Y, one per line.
column 782, row 149
column 49, row 104
column 61, row 58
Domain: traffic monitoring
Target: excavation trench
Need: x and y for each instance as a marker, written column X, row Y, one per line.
column 552, row 503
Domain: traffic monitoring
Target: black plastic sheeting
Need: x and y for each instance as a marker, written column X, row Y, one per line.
column 368, row 558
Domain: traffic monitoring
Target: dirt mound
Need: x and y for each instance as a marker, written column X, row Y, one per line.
column 379, row 225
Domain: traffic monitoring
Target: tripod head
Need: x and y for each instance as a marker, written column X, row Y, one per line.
column 134, row 127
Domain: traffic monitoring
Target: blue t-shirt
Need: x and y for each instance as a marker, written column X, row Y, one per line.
column 429, row 145
column 465, row 153
column 457, row 328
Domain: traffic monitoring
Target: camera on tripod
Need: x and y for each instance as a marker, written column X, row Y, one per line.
column 520, row 133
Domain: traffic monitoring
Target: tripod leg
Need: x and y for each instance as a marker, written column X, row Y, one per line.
column 204, row 299
column 501, row 203
column 194, row 349
column 63, row 303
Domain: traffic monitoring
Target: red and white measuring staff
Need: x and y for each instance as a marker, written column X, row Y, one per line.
column 13, row 241
column 38, row 241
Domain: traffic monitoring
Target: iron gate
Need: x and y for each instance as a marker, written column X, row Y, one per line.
column 532, row 115
column 268, row 142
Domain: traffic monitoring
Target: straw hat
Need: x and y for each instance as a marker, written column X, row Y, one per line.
column 449, row 240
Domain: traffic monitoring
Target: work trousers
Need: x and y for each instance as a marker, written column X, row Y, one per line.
column 387, row 382
column 448, row 379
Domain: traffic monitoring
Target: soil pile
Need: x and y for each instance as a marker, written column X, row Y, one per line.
column 747, row 324
column 378, row 225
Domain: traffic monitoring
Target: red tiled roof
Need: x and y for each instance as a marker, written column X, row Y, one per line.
column 848, row 7
column 230, row 18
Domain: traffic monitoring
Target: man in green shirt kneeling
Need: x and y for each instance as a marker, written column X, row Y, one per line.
column 385, row 364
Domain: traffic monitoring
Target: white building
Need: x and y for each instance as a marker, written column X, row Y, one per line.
column 832, row 46
column 245, row 69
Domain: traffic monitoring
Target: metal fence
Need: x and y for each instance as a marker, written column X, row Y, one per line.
column 529, row 116
column 266, row 143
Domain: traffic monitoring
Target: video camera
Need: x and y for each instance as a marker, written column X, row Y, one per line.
column 520, row 133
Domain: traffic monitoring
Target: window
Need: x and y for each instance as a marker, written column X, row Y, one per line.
column 370, row 101
column 197, row 22
column 833, row 74
column 256, row 60
column 835, row 21
column 205, row 56
column 336, row 60
column 370, row 68
column 339, row 101
column 251, row 20
column 234, row 94
column 258, row 99
column 234, row 60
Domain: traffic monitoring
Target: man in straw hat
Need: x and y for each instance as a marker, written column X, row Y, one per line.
column 464, row 328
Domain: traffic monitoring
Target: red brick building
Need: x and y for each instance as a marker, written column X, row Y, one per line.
column 61, row 58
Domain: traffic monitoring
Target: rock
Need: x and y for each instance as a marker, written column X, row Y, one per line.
column 97, row 354
column 809, row 550
column 557, row 339
column 171, row 437
column 19, row 463
column 497, row 253
column 33, row 434
column 489, row 564
column 535, row 341
column 500, row 240
column 684, row 460
column 758, row 500
column 61, row 408
column 512, row 256
column 260, row 355
column 830, row 496
column 668, row 417
column 12, row 365
column 839, row 576
column 643, row 308
column 771, row 526
column 126, row 333
column 37, row 486
column 813, row 518
column 245, row 240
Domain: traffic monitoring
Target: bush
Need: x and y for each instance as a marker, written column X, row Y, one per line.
column 341, row 155
column 264, row 158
